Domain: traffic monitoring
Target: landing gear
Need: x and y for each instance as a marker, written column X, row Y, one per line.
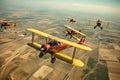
column 95, row 27
column 1, row 26
column 101, row 28
column 41, row 54
column 5, row 28
column 53, row 60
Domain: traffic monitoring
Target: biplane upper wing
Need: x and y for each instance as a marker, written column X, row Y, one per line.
column 74, row 30
column 59, row 39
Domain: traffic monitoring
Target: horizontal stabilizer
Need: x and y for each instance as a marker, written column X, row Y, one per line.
column 68, row 59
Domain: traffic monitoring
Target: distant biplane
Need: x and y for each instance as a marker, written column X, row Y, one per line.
column 99, row 23
column 5, row 25
column 72, row 33
column 54, row 45
column 71, row 20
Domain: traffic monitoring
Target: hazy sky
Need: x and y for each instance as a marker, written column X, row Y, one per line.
column 100, row 6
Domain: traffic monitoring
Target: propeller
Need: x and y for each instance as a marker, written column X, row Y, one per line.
column 43, row 48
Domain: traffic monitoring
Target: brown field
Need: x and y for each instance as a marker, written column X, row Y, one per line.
column 18, row 61
column 113, row 70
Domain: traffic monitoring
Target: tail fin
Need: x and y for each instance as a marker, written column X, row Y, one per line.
column 82, row 41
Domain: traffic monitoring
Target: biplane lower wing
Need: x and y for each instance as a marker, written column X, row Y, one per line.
column 59, row 39
column 74, row 30
column 35, row 45
column 76, row 38
column 64, row 57
column 68, row 59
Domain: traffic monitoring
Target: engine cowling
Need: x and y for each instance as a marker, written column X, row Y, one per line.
column 44, row 48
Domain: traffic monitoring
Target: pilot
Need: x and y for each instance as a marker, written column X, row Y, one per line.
column 54, row 43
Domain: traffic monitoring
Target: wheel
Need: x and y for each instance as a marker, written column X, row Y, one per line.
column 1, row 26
column 41, row 55
column 5, row 27
column 101, row 28
column 66, row 35
column 70, row 36
column 94, row 27
column 53, row 60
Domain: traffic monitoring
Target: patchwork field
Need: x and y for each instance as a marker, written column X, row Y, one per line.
column 19, row 61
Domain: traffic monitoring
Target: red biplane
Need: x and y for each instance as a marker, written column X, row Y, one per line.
column 55, row 45
column 7, row 24
column 99, row 23
column 71, row 20
column 72, row 33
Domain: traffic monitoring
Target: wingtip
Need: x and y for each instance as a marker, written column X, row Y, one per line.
column 77, row 63
column 90, row 49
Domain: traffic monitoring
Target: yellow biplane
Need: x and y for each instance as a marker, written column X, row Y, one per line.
column 6, row 24
column 73, row 32
column 55, row 45
column 99, row 23
column 71, row 20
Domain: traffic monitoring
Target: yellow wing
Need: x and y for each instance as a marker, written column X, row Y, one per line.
column 68, row 59
column 74, row 30
column 59, row 40
column 76, row 38
column 63, row 57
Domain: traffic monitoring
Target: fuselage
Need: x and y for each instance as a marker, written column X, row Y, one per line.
column 70, row 32
column 8, row 24
column 59, row 48
column 47, row 48
column 54, row 49
column 72, row 21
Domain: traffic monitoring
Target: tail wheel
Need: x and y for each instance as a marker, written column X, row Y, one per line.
column 53, row 60
column 41, row 54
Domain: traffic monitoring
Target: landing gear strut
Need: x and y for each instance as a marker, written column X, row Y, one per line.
column 41, row 54
column 101, row 28
column 95, row 27
column 53, row 60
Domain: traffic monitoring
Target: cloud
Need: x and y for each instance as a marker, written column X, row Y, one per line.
column 84, row 7
column 96, row 8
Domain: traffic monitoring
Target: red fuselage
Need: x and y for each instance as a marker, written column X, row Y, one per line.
column 72, row 32
column 8, row 24
column 58, row 48
column 54, row 49
column 72, row 21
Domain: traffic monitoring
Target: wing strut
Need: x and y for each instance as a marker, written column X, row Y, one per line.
column 32, row 37
column 38, row 38
column 46, row 40
column 74, row 53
